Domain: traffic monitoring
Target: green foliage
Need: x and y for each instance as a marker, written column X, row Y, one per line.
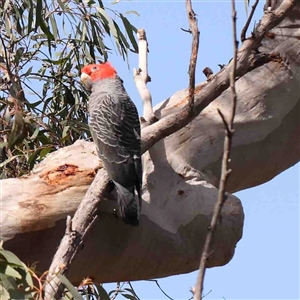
column 18, row 281
column 43, row 45
column 71, row 292
column 15, row 278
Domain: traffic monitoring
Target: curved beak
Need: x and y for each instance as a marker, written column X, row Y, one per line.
column 86, row 80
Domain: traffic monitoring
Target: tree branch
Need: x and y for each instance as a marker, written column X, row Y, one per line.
column 245, row 28
column 214, row 88
column 76, row 230
column 141, row 77
column 193, row 60
column 117, row 290
column 225, row 172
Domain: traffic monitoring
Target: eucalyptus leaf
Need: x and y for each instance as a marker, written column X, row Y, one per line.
column 35, row 134
column 6, row 269
column 30, row 16
column 128, row 296
column 70, row 287
column 132, row 12
column 5, row 6
column 65, row 131
column 45, row 151
column 102, row 292
column 130, row 30
column 61, row 5
column 4, row 294
column 10, row 257
column 54, row 26
column 33, row 157
column 19, row 54
column 28, row 71
column 38, row 13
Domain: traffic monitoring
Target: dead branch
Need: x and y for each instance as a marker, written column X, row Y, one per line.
column 225, row 172
column 117, row 290
column 193, row 60
column 141, row 77
column 245, row 28
column 76, row 230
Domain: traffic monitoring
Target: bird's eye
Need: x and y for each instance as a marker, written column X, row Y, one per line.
column 94, row 68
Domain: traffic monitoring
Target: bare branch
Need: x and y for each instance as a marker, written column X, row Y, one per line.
column 158, row 285
column 118, row 288
column 135, row 294
column 141, row 77
column 193, row 60
column 224, row 172
column 83, row 219
column 245, row 28
column 186, row 30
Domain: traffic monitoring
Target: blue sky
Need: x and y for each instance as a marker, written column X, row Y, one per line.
column 266, row 262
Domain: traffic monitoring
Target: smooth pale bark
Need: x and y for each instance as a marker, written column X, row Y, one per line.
column 181, row 173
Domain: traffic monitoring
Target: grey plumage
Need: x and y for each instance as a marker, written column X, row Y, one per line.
column 115, row 128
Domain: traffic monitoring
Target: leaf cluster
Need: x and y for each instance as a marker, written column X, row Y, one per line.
column 17, row 281
column 43, row 45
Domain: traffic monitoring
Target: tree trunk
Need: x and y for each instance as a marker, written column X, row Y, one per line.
column 181, row 173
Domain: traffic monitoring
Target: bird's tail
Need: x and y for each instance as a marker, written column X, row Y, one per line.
column 129, row 205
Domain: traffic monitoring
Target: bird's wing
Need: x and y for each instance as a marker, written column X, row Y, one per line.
column 115, row 124
column 115, row 129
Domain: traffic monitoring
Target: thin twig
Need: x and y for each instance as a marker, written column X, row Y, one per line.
column 135, row 294
column 117, row 290
column 156, row 281
column 82, row 221
column 207, row 294
column 7, row 59
column 245, row 28
column 186, row 30
column 225, row 172
column 193, row 60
